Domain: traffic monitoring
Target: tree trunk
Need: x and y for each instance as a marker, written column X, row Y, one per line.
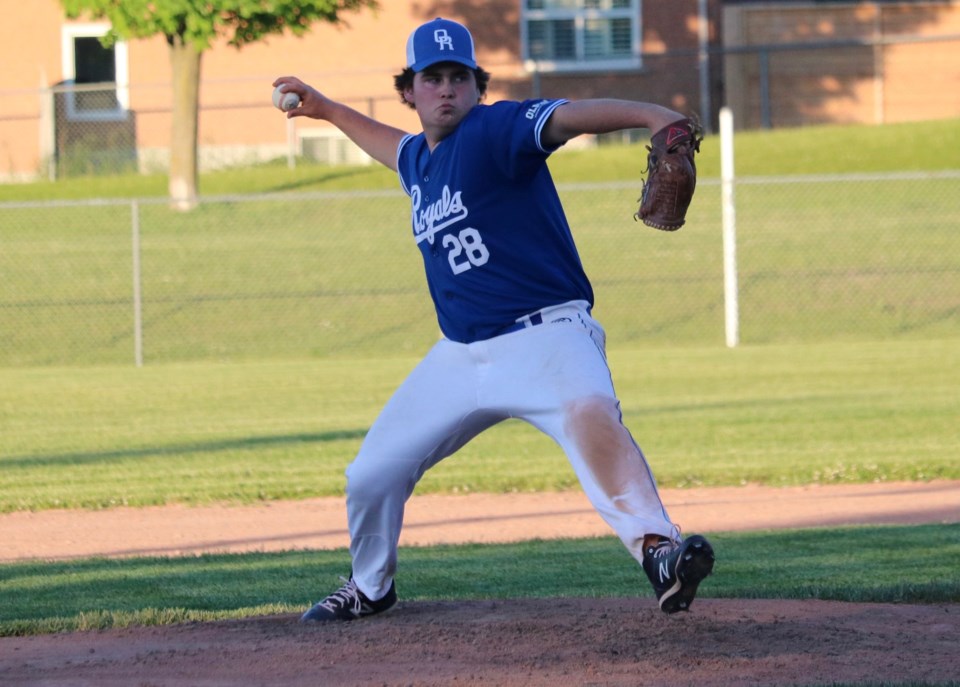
column 185, row 64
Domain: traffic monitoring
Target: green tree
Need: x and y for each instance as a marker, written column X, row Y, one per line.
column 190, row 27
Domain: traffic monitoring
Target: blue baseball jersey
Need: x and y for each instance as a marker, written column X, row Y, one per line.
column 488, row 221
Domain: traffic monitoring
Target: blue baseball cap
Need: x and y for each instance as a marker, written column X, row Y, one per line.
column 440, row 40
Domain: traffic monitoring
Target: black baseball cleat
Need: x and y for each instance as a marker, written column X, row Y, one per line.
column 676, row 569
column 349, row 603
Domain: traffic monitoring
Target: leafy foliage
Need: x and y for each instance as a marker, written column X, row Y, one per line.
column 201, row 22
column 191, row 27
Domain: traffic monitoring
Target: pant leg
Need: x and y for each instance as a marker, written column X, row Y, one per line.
column 431, row 415
column 556, row 377
column 611, row 468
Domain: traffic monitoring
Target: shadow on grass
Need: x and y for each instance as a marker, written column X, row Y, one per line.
column 322, row 176
column 173, row 449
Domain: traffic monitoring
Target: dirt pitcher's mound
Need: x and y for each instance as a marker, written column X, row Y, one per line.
column 525, row 643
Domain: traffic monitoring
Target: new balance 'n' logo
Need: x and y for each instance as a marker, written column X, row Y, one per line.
column 664, row 571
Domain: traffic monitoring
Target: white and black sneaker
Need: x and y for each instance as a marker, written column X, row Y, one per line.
column 676, row 569
column 349, row 603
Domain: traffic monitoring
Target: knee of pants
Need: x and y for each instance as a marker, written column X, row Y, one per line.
column 375, row 483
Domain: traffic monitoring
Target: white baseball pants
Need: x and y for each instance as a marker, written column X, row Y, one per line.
column 555, row 377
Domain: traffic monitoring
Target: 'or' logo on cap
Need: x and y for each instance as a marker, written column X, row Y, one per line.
column 443, row 39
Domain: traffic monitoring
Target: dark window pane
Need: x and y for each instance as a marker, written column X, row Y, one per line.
column 537, row 39
column 551, row 40
column 564, row 42
column 93, row 63
column 621, row 37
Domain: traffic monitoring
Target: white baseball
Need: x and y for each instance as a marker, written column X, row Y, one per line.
column 285, row 101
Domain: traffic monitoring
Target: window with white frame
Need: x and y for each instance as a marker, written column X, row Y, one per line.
column 99, row 72
column 581, row 34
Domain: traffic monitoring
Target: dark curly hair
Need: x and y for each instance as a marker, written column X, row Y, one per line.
column 404, row 80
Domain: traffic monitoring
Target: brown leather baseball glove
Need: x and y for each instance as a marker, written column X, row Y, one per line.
column 672, row 175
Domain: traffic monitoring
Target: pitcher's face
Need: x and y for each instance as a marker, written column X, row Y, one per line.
column 443, row 94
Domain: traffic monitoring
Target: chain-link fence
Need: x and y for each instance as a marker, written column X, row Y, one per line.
column 855, row 257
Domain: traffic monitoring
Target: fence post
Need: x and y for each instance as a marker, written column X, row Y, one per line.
column 766, row 119
column 291, row 144
column 137, row 285
column 48, row 129
column 731, row 305
column 703, row 60
column 878, row 67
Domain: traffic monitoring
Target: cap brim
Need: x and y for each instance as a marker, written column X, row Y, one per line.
column 430, row 61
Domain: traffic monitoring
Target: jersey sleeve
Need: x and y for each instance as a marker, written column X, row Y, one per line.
column 514, row 133
column 402, row 147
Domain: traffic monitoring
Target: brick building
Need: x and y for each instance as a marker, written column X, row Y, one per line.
column 688, row 54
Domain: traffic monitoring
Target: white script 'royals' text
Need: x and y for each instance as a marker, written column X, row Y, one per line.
column 435, row 216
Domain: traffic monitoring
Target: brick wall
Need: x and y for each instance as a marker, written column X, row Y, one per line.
column 904, row 81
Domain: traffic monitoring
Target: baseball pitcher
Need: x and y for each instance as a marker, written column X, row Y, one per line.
column 513, row 304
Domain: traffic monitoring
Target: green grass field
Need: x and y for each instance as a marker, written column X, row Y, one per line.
column 817, row 261
column 93, row 437
column 97, row 437
column 269, row 354
column 811, row 564
column 331, row 266
column 926, row 146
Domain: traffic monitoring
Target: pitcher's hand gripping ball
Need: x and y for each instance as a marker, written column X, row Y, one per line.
column 672, row 175
column 285, row 101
